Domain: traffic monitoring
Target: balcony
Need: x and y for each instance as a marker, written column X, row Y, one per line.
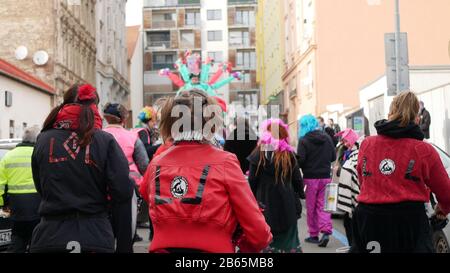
column 241, row 2
column 242, row 18
column 244, row 99
column 159, row 44
column 163, row 60
column 170, row 3
column 164, row 24
column 158, row 40
column 239, row 86
column 159, row 66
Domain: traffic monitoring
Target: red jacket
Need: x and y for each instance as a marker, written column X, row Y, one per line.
column 164, row 147
column 197, row 195
column 401, row 170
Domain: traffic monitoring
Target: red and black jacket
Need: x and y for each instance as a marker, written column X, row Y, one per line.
column 397, row 166
column 197, row 196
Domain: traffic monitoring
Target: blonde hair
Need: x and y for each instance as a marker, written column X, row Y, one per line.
column 404, row 108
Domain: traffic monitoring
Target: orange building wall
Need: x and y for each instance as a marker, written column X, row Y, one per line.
column 350, row 40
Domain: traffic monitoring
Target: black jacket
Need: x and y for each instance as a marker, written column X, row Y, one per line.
column 80, row 188
column 241, row 148
column 425, row 122
column 316, row 152
column 148, row 140
column 281, row 201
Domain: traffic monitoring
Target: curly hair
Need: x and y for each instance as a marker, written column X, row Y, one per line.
column 307, row 124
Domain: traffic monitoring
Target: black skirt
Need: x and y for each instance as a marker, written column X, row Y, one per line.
column 391, row 228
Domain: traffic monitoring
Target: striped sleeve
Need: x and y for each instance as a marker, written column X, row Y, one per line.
column 349, row 185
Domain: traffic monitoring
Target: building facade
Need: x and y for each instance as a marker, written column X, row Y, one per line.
column 64, row 29
column 270, row 51
column 242, row 53
column 223, row 30
column 112, row 68
column 135, row 67
column 333, row 48
column 430, row 83
column 19, row 92
column 299, row 80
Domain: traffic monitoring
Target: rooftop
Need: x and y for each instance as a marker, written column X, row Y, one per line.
column 18, row 74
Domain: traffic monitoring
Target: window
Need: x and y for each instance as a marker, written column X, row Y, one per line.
column 217, row 56
column 187, row 2
column 245, row 17
column 163, row 60
column 308, row 78
column 246, row 59
column 215, row 35
column 163, row 16
column 214, row 14
column 163, row 19
column 24, row 127
column 8, row 99
column 310, row 75
column 244, row 98
column 168, row 17
column 308, row 15
column 246, row 78
column 11, row 129
column 187, row 39
column 192, row 18
column 159, row 39
column 293, row 88
column 239, row 38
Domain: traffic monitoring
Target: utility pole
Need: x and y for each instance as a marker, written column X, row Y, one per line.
column 397, row 43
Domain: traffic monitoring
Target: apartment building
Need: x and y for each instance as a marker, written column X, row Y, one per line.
column 270, row 50
column 333, row 48
column 223, row 30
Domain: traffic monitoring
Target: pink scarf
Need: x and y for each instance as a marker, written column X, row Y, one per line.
column 281, row 145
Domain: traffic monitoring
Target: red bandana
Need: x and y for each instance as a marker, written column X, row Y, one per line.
column 68, row 117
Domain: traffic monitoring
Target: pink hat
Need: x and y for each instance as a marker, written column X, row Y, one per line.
column 349, row 135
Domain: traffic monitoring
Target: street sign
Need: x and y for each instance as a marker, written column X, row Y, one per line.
column 391, row 63
column 389, row 44
column 391, row 75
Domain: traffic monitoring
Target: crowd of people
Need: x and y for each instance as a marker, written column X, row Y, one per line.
column 85, row 186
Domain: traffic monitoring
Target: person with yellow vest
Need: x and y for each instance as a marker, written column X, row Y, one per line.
column 16, row 179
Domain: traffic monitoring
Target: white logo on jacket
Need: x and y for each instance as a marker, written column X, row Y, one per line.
column 387, row 166
column 179, row 187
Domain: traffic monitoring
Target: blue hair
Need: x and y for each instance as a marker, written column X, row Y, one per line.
column 307, row 124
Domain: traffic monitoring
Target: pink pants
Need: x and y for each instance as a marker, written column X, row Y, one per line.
column 318, row 220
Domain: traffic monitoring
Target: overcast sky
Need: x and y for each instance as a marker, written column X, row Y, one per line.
column 134, row 12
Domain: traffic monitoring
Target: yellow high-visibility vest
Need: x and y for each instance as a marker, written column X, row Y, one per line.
column 15, row 171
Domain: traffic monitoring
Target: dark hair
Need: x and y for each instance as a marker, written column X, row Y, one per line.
column 86, row 119
column 115, row 113
column 320, row 119
column 332, row 120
